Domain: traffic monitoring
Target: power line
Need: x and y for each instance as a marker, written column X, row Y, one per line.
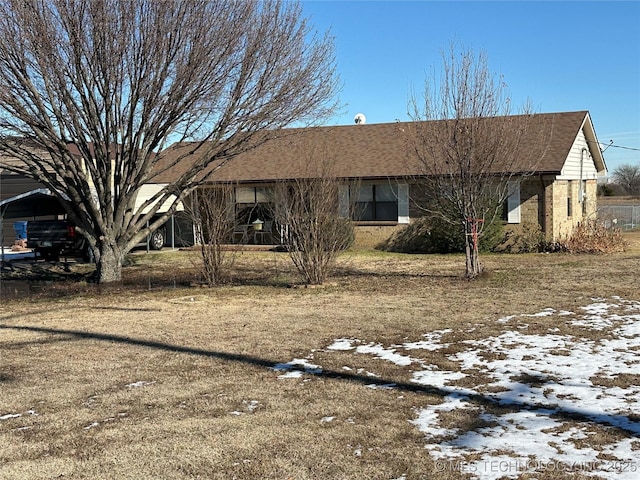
column 620, row 146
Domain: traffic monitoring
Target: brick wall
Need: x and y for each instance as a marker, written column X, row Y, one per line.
column 370, row 236
column 543, row 202
column 568, row 191
column 530, row 192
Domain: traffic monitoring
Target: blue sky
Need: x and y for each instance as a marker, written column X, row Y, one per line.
column 561, row 55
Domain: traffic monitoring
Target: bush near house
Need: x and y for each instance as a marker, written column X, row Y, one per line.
column 524, row 238
column 591, row 237
column 435, row 235
column 587, row 237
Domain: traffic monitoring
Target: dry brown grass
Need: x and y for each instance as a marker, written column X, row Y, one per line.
column 618, row 200
column 211, row 406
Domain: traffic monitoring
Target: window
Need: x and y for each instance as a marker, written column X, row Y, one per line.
column 377, row 202
column 569, row 198
column 252, row 195
column 252, row 204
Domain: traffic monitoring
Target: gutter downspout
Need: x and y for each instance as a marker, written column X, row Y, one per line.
column 543, row 207
column 581, row 193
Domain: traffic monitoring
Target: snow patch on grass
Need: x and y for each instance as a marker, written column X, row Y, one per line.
column 296, row 368
column 537, row 402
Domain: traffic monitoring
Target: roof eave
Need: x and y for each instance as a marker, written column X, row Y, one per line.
column 594, row 145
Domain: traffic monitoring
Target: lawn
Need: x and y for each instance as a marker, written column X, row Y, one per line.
column 398, row 369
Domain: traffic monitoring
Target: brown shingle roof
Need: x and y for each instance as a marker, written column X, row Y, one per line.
column 371, row 151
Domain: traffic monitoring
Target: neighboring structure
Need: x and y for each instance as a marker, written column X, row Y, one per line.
column 23, row 199
column 559, row 193
column 12, row 185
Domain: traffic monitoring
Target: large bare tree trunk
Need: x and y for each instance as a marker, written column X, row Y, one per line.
column 109, row 264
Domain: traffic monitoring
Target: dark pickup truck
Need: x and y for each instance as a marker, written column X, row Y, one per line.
column 51, row 239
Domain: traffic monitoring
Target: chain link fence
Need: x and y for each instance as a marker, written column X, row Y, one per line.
column 624, row 217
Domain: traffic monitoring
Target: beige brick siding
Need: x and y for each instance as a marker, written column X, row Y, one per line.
column 568, row 191
column 536, row 203
column 530, row 200
column 592, row 199
column 371, row 236
column 562, row 223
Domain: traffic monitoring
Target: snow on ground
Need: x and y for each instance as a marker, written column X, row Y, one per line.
column 296, row 367
column 139, row 384
column 538, row 400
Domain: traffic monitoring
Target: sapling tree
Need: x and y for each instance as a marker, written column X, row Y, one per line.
column 212, row 211
column 314, row 214
column 465, row 140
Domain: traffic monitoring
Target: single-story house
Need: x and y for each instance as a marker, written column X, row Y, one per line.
column 557, row 193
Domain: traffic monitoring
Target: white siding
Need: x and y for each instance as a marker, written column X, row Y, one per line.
column 148, row 190
column 579, row 165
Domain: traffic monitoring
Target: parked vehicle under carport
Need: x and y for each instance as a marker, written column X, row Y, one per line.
column 53, row 237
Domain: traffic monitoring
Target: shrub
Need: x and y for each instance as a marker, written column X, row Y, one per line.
column 442, row 237
column 524, row 238
column 315, row 232
column 408, row 240
column 591, row 237
column 435, row 235
column 345, row 233
column 492, row 236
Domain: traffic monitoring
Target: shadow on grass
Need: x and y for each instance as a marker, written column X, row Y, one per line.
column 354, row 272
column 623, row 423
column 128, row 309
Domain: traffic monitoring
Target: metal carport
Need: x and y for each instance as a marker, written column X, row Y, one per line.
column 43, row 203
column 29, row 205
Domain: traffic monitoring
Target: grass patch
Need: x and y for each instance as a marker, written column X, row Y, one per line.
column 155, row 375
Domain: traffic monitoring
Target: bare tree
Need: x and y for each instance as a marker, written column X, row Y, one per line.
column 103, row 86
column 314, row 215
column 628, row 177
column 465, row 141
column 212, row 211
